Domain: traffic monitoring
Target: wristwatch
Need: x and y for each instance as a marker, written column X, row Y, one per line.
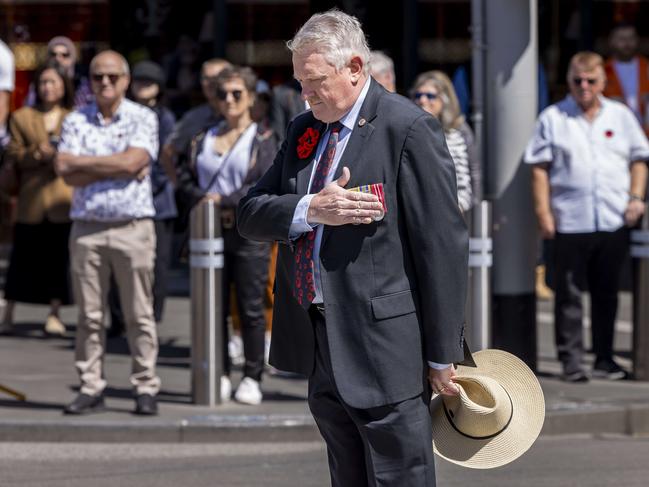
column 635, row 197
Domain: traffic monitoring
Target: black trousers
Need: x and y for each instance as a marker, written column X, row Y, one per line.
column 599, row 257
column 387, row 446
column 164, row 237
column 246, row 266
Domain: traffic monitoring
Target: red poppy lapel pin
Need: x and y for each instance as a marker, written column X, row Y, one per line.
column 307, row 142
column 609, row 134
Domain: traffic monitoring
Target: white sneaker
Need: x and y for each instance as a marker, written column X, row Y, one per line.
column 248, row 392
column 235, row 350
column 226, row 388
column 54, row 326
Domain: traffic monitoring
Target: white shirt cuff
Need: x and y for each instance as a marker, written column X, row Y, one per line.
column 436, row 366
column 299, row 225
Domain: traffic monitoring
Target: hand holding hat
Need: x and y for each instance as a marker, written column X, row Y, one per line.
column 496, row 417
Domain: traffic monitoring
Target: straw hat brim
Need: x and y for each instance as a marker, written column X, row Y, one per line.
column 527, row 418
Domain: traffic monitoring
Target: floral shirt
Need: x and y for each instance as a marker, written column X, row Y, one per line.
column 86, row 132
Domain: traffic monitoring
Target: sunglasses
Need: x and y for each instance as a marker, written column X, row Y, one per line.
column 112, row 77
column 429, row 96
column 223, row 94
column 578, row 81
column 63, row 54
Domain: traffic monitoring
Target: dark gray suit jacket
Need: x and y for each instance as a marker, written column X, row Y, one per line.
column 394, row 290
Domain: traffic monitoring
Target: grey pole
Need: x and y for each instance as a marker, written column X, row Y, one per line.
column 480, row 262
column 511, row 105
column 206, row 268
column 640, row 255
column 480, row 245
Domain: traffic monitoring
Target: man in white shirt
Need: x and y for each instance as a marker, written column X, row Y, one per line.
column 589, row 175
column 105, row 151
column 7, row 76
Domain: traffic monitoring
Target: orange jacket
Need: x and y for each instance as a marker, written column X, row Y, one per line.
column 614, row 88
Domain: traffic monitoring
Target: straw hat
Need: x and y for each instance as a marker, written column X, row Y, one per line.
column 497, row 416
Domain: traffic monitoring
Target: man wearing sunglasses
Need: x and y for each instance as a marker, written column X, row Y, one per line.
column 195, row 120
column 105, row 151
column 588, row 178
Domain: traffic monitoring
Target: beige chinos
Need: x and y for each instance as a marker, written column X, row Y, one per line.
column 127, row 250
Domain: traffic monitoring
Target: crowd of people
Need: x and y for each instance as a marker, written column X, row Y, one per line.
column 103, row 172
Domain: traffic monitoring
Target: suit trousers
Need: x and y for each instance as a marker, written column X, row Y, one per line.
column 125, row 250
column 387, row 446
column 599, row 257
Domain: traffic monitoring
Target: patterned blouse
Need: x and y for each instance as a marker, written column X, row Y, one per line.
column 85, row 132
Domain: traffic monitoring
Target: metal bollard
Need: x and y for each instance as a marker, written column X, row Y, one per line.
column 206, row 269
column 640, row 254
column 480, row 261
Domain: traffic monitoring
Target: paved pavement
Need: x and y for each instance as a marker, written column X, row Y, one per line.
column 42, row 368
column 563, row 461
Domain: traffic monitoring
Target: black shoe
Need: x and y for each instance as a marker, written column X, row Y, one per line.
column 85, row 404
column 608, row 369
column 146, row 405
column 577, row 376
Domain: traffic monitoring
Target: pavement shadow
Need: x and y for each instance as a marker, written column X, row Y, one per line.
column 163, row 396
column 169, row 354
column 279, row 396
column 38, row 405
column 35, row 331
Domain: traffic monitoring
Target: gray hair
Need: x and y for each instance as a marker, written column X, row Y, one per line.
column 334, row 34
column 381, row 63
column 122, row 59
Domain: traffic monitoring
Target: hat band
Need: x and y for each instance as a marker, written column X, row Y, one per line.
column 511, row 415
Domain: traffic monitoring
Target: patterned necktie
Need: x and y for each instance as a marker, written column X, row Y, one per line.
column 304, row 286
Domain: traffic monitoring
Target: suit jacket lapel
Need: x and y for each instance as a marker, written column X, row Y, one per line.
column 359, row 137
column 305, row 166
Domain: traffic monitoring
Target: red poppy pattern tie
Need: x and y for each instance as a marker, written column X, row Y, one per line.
column 304, row 285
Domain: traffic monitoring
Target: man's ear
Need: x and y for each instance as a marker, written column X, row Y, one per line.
column 356, row 68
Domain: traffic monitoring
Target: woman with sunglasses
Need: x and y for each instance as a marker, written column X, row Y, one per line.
column 223, row 163
column 434, row 93
column 38, row 266
column 62, row 50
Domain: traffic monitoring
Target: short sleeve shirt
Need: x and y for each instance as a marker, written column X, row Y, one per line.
column 7, row 69
column 589, row 167
column 86, row 132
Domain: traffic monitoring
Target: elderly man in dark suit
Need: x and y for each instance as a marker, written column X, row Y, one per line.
column 370, row 289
